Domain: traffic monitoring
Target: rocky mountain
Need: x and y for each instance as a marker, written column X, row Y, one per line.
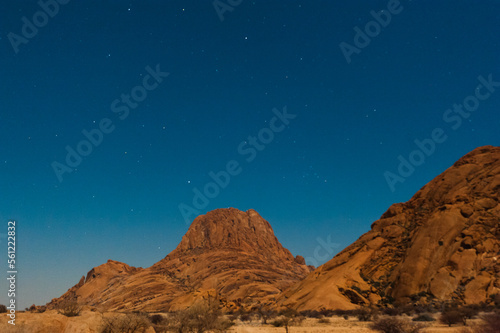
column 227, row 253
column 441, row 245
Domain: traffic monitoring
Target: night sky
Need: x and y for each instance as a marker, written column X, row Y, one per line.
column 114, row 114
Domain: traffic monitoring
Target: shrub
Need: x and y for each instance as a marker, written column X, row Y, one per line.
column 201, row 317
column 452, row 317
column 69, row 309
column 157, row 319
column 266, row 314
column 395, row 325
column 125, row 323
column 3, row 308
column 245, row 317
column 424, row 317
column 491, row 323
column 470, row 311
column 288, row 317
column 311, row 314
column 364, row 314
column 407, row 309
column 327, row 313
column 277, row 323
column 392, row 311
column 338, row 313
column 323, row 320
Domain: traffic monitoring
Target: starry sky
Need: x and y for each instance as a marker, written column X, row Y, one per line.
column 123, row 120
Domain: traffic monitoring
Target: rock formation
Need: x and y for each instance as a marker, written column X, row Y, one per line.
column 227, row 254
column 441, row 245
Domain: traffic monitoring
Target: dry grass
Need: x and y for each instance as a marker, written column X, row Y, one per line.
column 336, row 325
column 89, row 321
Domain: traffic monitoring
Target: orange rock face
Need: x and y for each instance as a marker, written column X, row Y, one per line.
column 443, row 244
column 227, row 253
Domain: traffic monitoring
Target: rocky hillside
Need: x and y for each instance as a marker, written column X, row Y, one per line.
column 443, row 244
column 227, row 253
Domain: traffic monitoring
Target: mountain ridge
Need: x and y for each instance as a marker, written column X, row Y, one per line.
column 442, row 245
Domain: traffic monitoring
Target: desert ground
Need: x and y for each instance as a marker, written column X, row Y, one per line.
column 91, row 321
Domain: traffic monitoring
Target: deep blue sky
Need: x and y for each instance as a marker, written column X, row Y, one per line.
column 321, row 176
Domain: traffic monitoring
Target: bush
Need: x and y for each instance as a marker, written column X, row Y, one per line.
column 245, row 317
column 3, row 308
column 424, row 317
column 37, row 309
column 311, row 314
column 364, row 314
column 266, row 314
column 125, row 323
column 69, row 309
column 324, row 321
column 328, row 313
column 201, row 317
column 395, row 325
column 277, row 323
column 157, row 319
column 288, row 317
column 491, row 323
column 470, row 311
column 452, row 317
column 391, row 311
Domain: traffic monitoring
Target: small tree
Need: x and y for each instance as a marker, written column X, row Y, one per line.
column 266, row 314
column 424, row 317
column 452, row 317
column 200, row 317
column 3, row 308
column 125, row 323
column 491, row 323
column 157, row 319
column 159, row 323
column 395, row 325
column 288, row 317
column 364, row 314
